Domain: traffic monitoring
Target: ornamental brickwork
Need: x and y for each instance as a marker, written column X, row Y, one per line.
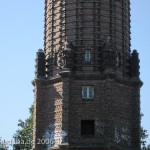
column 99, row 26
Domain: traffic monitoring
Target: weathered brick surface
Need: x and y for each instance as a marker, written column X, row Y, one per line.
column 103, row 28
column 115, row 110
column 111, row 103
column 88, row 25
column 48, row 110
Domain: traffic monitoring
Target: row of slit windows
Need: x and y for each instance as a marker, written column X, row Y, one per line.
column 87, row 56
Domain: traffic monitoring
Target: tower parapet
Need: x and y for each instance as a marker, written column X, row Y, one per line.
column 135, row 64
column 40, row 64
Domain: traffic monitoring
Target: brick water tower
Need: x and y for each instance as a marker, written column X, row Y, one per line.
column 87, row 85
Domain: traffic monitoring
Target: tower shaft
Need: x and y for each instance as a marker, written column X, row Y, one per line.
column 88, row 24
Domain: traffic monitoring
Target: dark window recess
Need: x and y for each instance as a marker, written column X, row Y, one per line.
column 118, row 0
column 87, row 127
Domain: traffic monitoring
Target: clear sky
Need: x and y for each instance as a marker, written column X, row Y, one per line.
column 21, row 35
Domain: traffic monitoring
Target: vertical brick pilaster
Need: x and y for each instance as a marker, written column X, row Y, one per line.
column 135, row 98
column 65, row 108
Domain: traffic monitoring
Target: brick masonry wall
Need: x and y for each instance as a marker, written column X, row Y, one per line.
column 111, row 110
column 87, row 24
column 59, row 109
column 47, row 114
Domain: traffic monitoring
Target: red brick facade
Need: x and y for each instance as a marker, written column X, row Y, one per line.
column 108, row 115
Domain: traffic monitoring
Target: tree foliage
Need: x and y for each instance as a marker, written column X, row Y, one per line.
column 144, row 136
column 3, row 146
column 146, row 147
column 23, row 136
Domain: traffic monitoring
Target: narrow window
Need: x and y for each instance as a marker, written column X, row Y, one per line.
column 87, row 56
column 87, row 92
column 87, row 127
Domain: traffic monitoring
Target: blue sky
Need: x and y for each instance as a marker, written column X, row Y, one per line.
column 21, row 35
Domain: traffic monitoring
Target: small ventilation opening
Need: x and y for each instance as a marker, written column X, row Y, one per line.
column 87, row 127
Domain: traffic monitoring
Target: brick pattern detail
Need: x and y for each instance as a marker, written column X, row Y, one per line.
column 89, row 25
column 48, row 111
column 110, row 108
column 59, row 107
column 88, row 21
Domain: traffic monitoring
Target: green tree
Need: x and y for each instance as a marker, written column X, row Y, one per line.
column 2, row 145
column 146, row 147
column 144, row 136
column 23, row 136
